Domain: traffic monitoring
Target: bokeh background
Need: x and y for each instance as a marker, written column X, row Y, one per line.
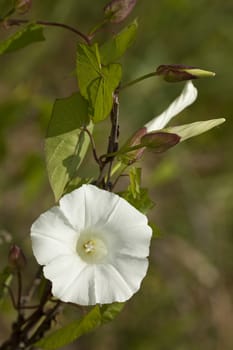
column 186, row 299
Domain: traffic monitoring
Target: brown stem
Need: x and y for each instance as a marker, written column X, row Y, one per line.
column 112, row 147
column 23, row 326
column 114, row 135
column 19, row 278
column 45, row 325
column 12, row 22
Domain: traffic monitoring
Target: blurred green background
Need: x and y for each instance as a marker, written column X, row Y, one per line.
column 186, row 299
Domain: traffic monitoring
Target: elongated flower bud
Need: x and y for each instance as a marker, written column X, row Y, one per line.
column 174, row 73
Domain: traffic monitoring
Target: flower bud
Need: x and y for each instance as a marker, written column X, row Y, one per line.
column 174, row 73
column 118, row 10
column 16, row 257
column 135, row 140
column 23, row 6
column 160, row 141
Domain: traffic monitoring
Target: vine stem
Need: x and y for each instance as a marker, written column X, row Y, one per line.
column 135, row 81
column 114, row 135
column 94, row 152
column 16, row 21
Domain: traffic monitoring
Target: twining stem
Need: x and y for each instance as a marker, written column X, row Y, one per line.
column 94, row 152
column 97, row 28
column 135, row 81
column 45, row 325
column 103, row 180
column 15, row 22
column 121, row 151
column 23, row 326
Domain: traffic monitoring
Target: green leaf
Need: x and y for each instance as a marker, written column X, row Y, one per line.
column 66, row 335
column 30, row 34
column 109, row 312
column 115, row 48
column 135, row 194
column 72, row 331
column 5, row 280
column 66, row 144
column 88, row 68
column 101, row 92
column 96, row 83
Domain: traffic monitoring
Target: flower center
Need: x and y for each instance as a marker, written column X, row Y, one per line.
column 91, row 248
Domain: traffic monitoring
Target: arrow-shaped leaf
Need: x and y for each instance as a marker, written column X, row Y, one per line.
column 66, row 144
column 30, row 34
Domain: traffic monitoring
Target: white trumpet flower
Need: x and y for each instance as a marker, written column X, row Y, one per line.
column 93, row 246
column 186, row 98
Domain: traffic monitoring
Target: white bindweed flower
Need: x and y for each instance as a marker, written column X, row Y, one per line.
column 94, row 246
column 186, row 98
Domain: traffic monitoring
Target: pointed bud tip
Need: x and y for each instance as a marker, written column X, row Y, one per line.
column 200, row 73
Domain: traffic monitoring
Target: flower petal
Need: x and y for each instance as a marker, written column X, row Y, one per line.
column 186, row 98
column 193, row 129
column 52, row 236
column 126, row 231
column 73, row 207
column 133, row 270
column 88, row 205
column 63, row 272
column 110, row 285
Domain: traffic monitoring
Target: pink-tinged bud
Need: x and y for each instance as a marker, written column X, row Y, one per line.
column 159, row 142
column 174, row 73
column 118, row 10
column 16, row 257
column 23, row 6
column 135, row 140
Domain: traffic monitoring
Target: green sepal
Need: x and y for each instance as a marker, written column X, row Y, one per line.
column 28, row 35
column 66, row 143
